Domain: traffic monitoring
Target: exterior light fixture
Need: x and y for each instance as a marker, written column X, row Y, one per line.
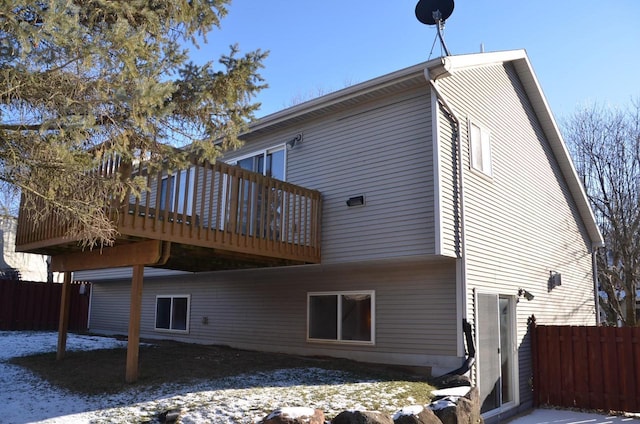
column 355, row 201
column 294, row 141
column 527, row 295
column 555, row 280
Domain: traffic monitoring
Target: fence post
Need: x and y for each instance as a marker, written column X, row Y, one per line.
column 534, row 360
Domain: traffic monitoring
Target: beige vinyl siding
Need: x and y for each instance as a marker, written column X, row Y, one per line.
column 382, row 150
column 521, row 223
column 267, row 309
column 109, row 307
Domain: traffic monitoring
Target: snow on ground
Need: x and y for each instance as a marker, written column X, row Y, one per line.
column 559, row 416
column 26, row 398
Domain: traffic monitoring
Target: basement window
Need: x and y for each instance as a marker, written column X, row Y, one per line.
column 347, row 317
column 172, row 313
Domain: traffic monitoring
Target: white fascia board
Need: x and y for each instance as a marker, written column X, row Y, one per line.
column 449, row 64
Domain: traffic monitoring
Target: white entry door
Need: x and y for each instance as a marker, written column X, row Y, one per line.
column 497, row 359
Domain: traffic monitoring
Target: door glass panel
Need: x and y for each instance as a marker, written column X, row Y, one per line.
column 489, row 351
column 166, row 192
column 505, row 349
column 249, row 163
column 275, row 164
column 246, row 210
column 185, row 196
column 495, row 348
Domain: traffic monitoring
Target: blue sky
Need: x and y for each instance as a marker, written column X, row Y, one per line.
column 583, row 51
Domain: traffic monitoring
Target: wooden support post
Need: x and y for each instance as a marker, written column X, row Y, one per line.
column 133, row 343
column 63, row 322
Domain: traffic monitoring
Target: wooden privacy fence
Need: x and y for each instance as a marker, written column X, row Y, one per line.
column 586, row 367
column 28, row 305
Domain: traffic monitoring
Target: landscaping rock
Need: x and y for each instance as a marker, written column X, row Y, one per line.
column 455, row 405
column 294, row 416
column 362, row 417
column 465, row 410
column 415, row 415
column 170, row 416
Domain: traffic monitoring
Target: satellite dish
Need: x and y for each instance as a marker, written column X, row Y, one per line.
column 432, row 12
column 435, row 12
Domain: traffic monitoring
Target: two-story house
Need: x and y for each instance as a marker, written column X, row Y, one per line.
column 436, row 194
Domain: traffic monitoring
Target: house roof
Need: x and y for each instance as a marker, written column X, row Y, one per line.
column 438, row 68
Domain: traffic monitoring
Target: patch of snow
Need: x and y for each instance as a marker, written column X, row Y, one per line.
column 23, row 343
column 452, row 391
column 241, row 399
column 442, row 403
column 292, row 412
column 408, row 410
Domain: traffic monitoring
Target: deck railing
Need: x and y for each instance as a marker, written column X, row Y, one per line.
column 212, row 205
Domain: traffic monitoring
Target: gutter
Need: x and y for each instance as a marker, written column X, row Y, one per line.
column 443, row 70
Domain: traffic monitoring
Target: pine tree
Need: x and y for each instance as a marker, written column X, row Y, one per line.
column 85, row 80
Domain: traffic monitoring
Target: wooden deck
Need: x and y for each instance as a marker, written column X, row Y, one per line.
column 207, row 217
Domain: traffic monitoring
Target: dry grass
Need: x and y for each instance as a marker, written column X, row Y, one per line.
column 162, row 362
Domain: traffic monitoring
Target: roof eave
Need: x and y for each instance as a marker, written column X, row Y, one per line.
column 341, row 96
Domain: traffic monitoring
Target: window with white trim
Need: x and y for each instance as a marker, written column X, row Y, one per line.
column 480, row 148
column 341, row 316
column 172, row 313
column 269, row 162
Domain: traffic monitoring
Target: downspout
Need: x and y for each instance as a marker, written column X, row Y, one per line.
column 596, row 296
column 462, row 247
column 89, row 308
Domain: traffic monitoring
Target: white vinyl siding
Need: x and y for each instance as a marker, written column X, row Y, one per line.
column 525, row 223
column 266, row 309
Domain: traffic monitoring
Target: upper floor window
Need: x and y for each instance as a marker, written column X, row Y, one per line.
column 480, row 148
column 270, row 162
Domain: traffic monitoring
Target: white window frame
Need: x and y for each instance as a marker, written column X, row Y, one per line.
column 480, row 141
column 172, row 297
column 264, row 153
column 339, row 294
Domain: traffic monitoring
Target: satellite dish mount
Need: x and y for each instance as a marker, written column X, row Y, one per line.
column 435, row 12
